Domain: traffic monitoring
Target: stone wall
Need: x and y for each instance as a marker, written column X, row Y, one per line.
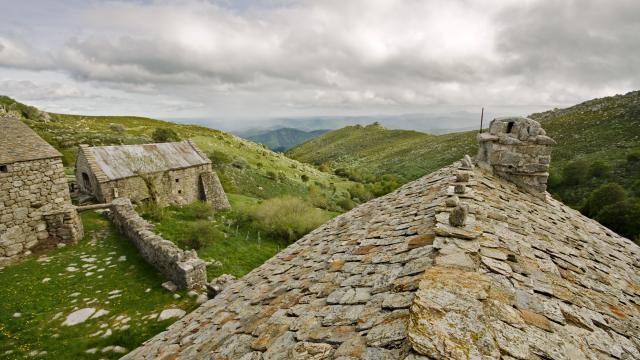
column 183, row 268
column 518, row 150
column 35, row 207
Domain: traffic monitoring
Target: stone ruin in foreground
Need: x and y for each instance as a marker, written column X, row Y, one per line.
column 35, row 206
column 468, row 262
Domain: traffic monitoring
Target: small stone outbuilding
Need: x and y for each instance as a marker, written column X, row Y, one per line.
column 35, row 206
column 467, row 262
column 178, row 172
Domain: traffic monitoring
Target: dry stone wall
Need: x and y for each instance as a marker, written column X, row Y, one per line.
column 183, row 268
column 35, row 207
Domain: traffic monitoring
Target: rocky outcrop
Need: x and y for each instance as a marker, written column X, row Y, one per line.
column 183, row 268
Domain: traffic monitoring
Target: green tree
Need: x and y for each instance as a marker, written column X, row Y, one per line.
column 623, row 218
column 575, row 172
column 164, row 135
column 599, row 169
column 606, row 194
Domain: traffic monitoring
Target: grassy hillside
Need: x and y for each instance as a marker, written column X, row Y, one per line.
column 285, row 138
column 606, row 129
column 378, row 151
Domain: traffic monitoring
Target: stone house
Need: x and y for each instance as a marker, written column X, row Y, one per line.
column 177, row 173
column 35, row 206
column 468, row 262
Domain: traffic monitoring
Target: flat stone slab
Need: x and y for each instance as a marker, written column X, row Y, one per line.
column 78, row 316
column 171, row 313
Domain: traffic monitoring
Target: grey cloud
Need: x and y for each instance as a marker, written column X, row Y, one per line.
column 360, row 54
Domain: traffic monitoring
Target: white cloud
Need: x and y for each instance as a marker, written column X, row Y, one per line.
column 266, row 58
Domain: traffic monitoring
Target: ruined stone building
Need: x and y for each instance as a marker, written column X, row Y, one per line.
column 35, row 207
column 178, row 172
column 468, row 262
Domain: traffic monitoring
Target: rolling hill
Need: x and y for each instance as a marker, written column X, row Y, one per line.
column 601, row 129
column 283, row 139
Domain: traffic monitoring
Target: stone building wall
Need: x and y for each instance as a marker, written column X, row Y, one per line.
column 184, row 268
column 35, row 207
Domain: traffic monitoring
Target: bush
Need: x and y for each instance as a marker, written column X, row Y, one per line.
column 304, row 177
column 604, row 195
column 272, row 175
column 164, row 135
column 622, row 217
column 117, row 128
column 198, row 210
column 219, row 159
column 599, row 169
column 346, row 204
column 152, row 211
column 317, row 197
column 200, row 234
column 635, row 188
column 575, row 172
column 360, row 193
column 281, row 176
column 239, row 163
column 324, row 167
column 287, row 217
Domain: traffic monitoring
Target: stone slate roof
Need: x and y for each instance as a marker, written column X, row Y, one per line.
column 524, row 278
column 122, row 161
column 19, row 143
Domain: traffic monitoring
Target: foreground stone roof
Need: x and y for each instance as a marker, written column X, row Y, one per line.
column 523, row 278
column 19, row 143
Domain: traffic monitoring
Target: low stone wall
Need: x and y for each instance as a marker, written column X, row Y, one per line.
column 183, row 268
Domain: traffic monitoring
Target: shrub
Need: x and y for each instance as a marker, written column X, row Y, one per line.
column 360, row 193
column 152, row 211
column 281, row 176
column 259, row 165
column 117, row 128
column 604, row 195
column 325, row 168
column 317, row 197
column 164, row 135
column 287, row 217
column 575, row 172
column 622, row 217
column 346, row 204
column 239, row 163
column 200, row 234
column 219, row 159
column 198, row 210
column 635, row 188
column 272, row 175
column 304, row 177
column 599, row 169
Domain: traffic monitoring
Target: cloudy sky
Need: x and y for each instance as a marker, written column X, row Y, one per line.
column 239, row 60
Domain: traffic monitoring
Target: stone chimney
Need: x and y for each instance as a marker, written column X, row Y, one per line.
column 517, row 149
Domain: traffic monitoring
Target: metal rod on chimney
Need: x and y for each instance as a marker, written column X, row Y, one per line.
column 481, row 118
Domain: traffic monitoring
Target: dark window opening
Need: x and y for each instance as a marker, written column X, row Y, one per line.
column 509, row 127
column 177, row 180
column 4, row 168
column 86, row 182
column 179, row 191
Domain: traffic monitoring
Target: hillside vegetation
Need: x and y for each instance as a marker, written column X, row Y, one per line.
column 285, row 138
column 600, row 137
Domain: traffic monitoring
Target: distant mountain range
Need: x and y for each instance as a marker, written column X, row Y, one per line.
column 281, row 139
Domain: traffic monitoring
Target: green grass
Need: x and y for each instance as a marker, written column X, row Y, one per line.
column 38, row 329
column 239, row 248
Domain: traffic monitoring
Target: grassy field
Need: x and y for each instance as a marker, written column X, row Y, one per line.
column 103, row 271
